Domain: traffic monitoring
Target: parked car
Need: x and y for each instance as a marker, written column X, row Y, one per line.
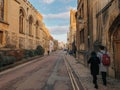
column 71, row 52
column 65, row 49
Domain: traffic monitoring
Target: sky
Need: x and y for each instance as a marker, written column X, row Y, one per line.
column 56, row 16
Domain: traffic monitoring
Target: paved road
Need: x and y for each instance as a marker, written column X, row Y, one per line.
column 46, row 73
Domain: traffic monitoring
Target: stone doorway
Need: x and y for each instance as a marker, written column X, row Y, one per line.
column 116, row 39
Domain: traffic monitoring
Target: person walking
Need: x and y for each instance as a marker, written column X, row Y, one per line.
column 48, row 52
column 103, row 68
column 94, row 62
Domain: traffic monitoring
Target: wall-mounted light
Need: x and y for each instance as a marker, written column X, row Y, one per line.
column 80, row 20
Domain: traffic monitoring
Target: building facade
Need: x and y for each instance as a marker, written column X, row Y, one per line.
column 72, row 32
column 108, row 32
column 51, row 44
column 55, row 45
column 45, row 38
column 21, row 25
column 103, row 18
column 82, row 32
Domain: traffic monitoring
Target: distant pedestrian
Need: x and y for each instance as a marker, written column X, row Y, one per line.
column 103, row 68
column 48, row 52
column 94, row 62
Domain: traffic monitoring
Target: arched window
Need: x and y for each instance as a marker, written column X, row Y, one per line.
column 30, row 25
column 21, row 21
column 1, row 9
column 37, row 29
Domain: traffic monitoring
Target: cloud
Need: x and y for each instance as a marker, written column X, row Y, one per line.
column 61, row 38
column 48, row 1
column 58, row 30
column 65, row 1
column 64, row 15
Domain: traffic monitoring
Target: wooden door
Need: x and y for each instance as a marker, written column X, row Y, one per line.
column 117, row 59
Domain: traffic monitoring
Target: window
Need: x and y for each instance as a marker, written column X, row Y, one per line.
column 82, row 36
column 37, row 28
column 21, row 21
column 1, row 37
column 30, row 25
column 1, row 9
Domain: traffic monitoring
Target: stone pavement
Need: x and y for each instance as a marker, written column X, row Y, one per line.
column 86, row 78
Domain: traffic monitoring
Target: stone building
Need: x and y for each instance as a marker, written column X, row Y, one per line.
column 51, row 44
column 108, row 32
column 71, row 34
column 21, row 25
column 45, row 38
column 82, row 32
column 55, row 45
column 104, row 29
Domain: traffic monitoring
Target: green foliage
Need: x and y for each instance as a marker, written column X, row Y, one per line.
column 29, row 53
column 6, row 60
column 26, row 53
column 40, row 50
column 35, row 52
column 11, row 56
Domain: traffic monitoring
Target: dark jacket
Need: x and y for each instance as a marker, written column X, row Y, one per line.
column 94, row 62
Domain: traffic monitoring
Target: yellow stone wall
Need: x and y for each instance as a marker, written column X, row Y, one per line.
column 72, row 28
column 10, row 26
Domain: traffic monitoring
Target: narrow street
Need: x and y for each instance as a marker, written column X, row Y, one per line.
column 59, row 44
column 57, row 71
column 46, row 73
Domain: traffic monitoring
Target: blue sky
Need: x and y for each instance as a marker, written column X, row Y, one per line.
column 56, row 16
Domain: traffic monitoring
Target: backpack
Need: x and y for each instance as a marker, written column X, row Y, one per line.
column 105, row 59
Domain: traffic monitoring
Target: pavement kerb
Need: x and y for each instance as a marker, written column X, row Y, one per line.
column 76, row 72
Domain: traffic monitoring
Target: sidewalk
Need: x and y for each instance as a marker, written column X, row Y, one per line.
column 86, row 78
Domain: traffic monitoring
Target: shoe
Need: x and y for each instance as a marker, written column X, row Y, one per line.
column 104, row 84
column 96, row 86
column 93, row 82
